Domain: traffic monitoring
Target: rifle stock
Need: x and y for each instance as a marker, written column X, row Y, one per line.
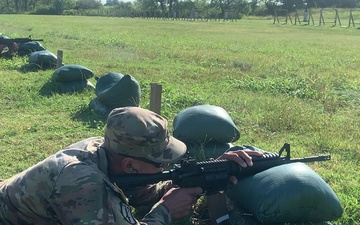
column 212, row 176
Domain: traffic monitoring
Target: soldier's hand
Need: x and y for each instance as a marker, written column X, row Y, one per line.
column 179, row 201
column 242, row 157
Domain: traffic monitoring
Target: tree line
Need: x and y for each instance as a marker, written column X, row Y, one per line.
column 175, row 9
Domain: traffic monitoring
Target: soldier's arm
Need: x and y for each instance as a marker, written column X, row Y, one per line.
column 144, row 198
column 81, row 196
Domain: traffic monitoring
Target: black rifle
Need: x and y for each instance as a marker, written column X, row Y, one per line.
column 212, row 176
column 12, row 45
column 17, row 40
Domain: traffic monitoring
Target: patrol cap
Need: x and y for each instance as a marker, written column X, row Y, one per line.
column 139, row 132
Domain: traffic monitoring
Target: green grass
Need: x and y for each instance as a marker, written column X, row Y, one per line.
column 279, row 83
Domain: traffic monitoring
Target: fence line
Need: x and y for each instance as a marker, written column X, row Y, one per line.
column 332, row 16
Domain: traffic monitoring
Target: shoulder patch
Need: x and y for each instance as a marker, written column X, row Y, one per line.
column 126, row 213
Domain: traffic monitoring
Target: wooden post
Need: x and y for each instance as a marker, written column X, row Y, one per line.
column 288, row 16
column 276, row 18
column 321, row 20
column 59, row 58
column 351, row 19
column 155, row 97
column 310, row 17
column 337, row 18
column 297, row 17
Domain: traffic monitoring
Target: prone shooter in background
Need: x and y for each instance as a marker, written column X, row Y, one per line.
column 10, row 46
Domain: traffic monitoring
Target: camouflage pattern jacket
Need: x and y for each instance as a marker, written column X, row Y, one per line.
column 71, row 187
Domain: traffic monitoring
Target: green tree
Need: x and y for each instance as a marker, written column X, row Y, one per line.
column 88, row 4
column 149, row 7
column 51, row 7
column 112, row 2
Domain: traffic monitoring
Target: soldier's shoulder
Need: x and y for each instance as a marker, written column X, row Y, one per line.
column 80, row 173
column 91, row 143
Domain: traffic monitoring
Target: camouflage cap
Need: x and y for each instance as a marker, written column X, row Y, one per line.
column 138, row 132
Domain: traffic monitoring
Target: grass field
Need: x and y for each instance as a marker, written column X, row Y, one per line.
column 279, row 83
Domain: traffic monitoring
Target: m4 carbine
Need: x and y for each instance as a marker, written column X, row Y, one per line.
column 212, row 176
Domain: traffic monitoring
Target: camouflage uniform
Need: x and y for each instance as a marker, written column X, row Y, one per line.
column 72, row 186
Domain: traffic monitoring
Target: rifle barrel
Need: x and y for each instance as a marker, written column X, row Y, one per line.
column 312, row 158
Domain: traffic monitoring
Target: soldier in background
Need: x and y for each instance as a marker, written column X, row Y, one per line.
column 72, row 186
column 306, row 15
column 7, row 51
